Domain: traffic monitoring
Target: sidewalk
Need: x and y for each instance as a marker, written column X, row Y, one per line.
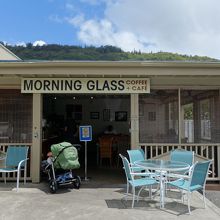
column 33, row 201
column 213, row 193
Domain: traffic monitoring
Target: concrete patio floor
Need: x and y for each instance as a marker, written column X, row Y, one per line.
column 95, row 200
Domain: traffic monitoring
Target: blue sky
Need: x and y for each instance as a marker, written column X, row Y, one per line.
column 180, row 26
column 31, row 20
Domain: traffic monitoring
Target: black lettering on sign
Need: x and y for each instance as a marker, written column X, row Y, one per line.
column 55, row 84
column 97, row 87
column 90, row 85
column 77, row 85
column 113, row 85
column 60, row 84
column 121, row 85
column 28, row 85
column 37, row 85
column 47, row 85
column 105, row 86
column 68, row 85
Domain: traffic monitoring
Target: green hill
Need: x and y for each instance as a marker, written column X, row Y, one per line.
column 107, row 53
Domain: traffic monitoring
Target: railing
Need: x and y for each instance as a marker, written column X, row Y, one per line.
column 201, row 151
column 3, row 149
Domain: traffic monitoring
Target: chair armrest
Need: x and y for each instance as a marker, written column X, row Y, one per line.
column 143, row 174
column 179, row 176
column 20, row 163
column 136, row 167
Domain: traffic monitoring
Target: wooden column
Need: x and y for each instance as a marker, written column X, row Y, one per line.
column 197, row 121
column 179, row 117
column 134, row 129
column 36, row 138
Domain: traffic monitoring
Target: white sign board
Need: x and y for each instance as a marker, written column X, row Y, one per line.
column 86, row 85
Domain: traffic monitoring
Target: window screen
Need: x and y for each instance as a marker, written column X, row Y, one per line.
column 15, row 117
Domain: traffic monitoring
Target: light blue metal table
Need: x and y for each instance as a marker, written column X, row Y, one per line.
column 162, row 167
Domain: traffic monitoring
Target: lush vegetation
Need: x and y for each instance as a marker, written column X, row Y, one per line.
column 66, row 52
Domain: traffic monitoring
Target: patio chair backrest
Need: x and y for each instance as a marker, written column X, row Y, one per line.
column 126, row 168
column 182, row 156
column 15, row 154
column 200, row 173
column 136, row 155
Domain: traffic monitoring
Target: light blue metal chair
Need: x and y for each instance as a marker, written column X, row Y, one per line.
column 138, row 155
column 196, row 181
column 135, row 155
column 16, row 160
column 181, row 155
column 141, row 182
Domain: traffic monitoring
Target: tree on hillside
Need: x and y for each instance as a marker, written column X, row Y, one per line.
column 107, row 52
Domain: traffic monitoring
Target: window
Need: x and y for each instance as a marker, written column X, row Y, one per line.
column 158, row 120
column 15, row 117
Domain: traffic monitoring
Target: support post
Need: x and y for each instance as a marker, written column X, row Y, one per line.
column 180, row 115
column 36, row 138
column 134, row 123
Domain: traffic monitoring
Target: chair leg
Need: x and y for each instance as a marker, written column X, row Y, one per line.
column 150, row 191
column 140, row 192
column 127, row 192
column 127, row 188
column 157, row 189
column 182, row 196
column 204, row 199
column 5, row 177
column 25, row 172
column 188, row 201
column 18, row 176
column 126, row 195
column 133, row 190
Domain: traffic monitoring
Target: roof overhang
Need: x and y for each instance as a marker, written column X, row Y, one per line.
column 107, row 69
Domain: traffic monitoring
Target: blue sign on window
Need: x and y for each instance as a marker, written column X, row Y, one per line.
column 85, row 133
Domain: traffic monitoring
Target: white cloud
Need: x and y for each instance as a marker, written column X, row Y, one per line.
column 183, row 26
column 5, row 43
column 21, row 44
column 76, row 21
column 56, row 18
column 93, row 32
column 94, row 2
column 70, row 7
column 102, row 33
column 39, row 43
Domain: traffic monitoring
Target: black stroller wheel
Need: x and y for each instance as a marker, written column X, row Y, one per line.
column 53, row 186
column 77, row 182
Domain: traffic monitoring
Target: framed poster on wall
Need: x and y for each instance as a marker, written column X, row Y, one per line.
column 121, row 116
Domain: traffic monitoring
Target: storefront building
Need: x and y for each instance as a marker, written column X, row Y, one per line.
column 159, row 105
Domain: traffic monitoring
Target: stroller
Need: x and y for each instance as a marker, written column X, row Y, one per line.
column 59, row 167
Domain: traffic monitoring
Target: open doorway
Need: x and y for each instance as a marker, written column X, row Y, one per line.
column 109, row 116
